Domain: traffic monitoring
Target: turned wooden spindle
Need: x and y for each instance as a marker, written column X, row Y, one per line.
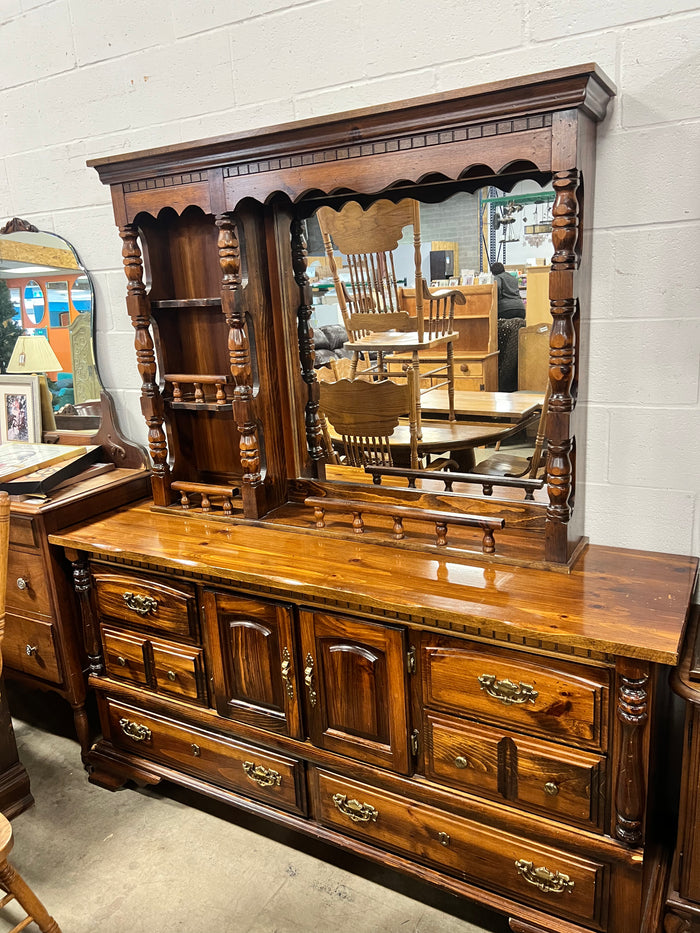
column 228, row 506
column 206, row 503
column 177, row 392
column 398, row 527
column 198, row 393
column 220, row 394
column 184, row 500
column 358, row 526
column 488, row 542
column 320, row 516
column 441, row 534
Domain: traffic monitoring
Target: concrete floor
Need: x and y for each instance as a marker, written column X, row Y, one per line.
column 144, row 861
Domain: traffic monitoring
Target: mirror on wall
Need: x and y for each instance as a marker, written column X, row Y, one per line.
column 47, row 295
column 483, row 258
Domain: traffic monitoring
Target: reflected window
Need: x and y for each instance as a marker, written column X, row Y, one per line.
column 81, row 294
column 33, row 302
column 59, row 312
column 16, row 304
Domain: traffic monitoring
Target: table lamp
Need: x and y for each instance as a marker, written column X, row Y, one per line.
column 33, row 354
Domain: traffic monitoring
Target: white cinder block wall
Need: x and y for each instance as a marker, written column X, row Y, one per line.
column 87, row 78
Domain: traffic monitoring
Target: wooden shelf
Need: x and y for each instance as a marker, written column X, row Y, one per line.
column 198, row 406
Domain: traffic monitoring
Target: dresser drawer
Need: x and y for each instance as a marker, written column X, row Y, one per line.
column 177, row 670
column 30, row 646
column 554, row 780
column 550, row 698
column 27, row 582
column 573, row 887
column 148, row 602
column 124, row 656
column 22, row 531
column 254, row 772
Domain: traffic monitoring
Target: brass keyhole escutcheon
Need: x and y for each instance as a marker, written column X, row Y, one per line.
column 444, row 839
column 196, row 750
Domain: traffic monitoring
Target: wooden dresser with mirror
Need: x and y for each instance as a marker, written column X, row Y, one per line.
column 54, row 298
column 431, row 668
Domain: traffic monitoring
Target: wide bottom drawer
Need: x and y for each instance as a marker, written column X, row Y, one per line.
column 254, row 772
column 550, row 878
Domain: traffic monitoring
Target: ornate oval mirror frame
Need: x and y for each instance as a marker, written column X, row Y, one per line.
column 83, row 412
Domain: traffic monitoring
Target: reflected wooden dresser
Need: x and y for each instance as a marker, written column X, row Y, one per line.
column 493, row 730
column 43, row 644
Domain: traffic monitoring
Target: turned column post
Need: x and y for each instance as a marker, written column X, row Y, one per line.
column 307, row 355
column 240, row 364
column 562, row 344
column 139, row 309
column 632, row 688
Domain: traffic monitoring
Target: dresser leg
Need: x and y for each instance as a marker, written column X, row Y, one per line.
column 82, row 728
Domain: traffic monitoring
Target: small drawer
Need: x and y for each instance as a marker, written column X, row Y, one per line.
column 254, row 772
column 148, row 602
column 27, row 582
column 124, row 656
column 470, row 368
column 22, row 531
column 30, row 646
column 554, row 780
column 554, row 699
column 547, row 877
column 178, row 671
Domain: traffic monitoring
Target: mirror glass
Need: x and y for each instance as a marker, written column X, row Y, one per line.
column 45, row 291
column 500, row 326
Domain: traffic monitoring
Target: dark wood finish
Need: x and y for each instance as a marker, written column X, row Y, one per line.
column 204, row 211
column 477, row 721
column 683, row 895
column 44, row 645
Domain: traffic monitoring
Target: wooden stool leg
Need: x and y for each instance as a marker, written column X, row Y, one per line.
column 14, row 884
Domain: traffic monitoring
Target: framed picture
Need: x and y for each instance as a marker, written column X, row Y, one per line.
column 20, row 409
column 452, row 282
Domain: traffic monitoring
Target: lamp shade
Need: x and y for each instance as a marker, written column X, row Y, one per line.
column 33, row 354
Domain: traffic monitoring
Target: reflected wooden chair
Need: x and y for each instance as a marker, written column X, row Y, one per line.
column 371, row 307
column 10, row 881
column 505, row 464
column 365, row 415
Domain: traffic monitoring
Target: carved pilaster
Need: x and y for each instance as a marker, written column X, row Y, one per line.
column 82, row 583
column 314, row 434
column 240, row 362
column 630, row 791
column 562, row 358
column 151, row 401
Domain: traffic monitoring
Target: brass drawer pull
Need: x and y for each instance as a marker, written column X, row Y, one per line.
column 32, row 651
column 461, row 761
column 121, row 661
column 444, row 839
column 309, row 679
column 196, row 750
column 135, row 731
column 287, row 673
column 140, row 604
column 22, row 583
column 547, row 881
column 551, row 789
column 506, row 691
column 265, row 777
column 356, row 811
column 171, row 675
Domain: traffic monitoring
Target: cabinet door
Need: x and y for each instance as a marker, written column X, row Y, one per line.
column 355, row 688
column 253, row 661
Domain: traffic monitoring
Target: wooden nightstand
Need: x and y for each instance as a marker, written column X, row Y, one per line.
column 42, row 644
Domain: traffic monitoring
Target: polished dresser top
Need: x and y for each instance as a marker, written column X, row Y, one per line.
column 623, row 602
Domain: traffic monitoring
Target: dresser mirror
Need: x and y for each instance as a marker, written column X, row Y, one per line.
column 495, row 423
column 53, row 298
column 49, row 304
